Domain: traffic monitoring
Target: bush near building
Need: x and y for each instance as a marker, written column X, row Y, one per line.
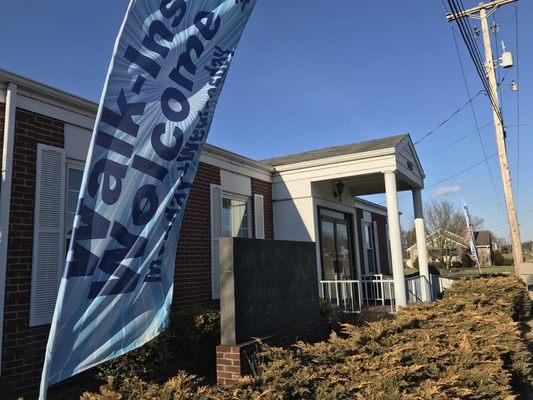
column 466, row 346
column 189, row 343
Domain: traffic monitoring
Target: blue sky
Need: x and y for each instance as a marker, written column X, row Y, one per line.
column 311, row 74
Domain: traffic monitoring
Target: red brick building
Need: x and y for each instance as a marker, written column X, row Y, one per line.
column 45, row 135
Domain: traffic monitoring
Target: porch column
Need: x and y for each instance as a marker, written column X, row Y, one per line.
column 395, row 239
column 425, row 280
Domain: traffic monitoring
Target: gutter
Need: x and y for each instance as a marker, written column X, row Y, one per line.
column 5, row 195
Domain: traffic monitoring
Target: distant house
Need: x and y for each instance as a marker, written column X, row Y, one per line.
column 451, row 247
column 454, row 245
column 485, row 247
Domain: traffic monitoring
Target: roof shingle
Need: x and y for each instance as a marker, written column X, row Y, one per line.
column 360, row 147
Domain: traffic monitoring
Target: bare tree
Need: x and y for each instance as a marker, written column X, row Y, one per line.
column 408, row 239
column 448, row 219
column 441, row 214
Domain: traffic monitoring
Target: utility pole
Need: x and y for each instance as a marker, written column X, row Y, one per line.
column 480, row 12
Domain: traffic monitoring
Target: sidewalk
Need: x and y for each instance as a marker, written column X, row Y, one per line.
column 527, row 276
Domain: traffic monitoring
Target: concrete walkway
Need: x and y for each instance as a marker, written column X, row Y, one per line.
column 527, row 276
column 527, row 271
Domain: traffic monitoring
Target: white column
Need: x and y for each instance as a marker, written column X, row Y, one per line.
column 425, row 281
column 395, row 239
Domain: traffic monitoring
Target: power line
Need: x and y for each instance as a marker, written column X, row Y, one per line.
column 467, row 87
column 495, row 29
column 460, row 139
column 470, row 100
column 448, row 177
column 460, row 172
column 471, row 45
column 517, row 108
column 482, row 12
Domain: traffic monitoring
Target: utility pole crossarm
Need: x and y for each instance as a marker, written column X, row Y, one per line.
column 466, row 13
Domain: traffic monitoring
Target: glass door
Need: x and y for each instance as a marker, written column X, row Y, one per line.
column 335, row 245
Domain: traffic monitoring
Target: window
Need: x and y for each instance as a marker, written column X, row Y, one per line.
column 236, row 217
column 74, row 177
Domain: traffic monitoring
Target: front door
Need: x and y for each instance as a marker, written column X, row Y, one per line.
column 335, row 245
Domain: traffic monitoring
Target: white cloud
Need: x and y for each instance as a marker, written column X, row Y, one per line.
column 447, row 190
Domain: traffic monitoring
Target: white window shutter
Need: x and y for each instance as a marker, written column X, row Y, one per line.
column 365, row 252
column 48, row 233
column 259, row 216
column 376, row 248
column 388, row 248
column 216, row 232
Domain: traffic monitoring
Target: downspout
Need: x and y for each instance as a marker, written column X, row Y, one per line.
column 5, row 196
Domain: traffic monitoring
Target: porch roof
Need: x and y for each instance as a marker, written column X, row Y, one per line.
column 352, row 148
column 360, row 166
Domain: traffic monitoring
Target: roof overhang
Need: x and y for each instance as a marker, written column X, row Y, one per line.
column 361, row 172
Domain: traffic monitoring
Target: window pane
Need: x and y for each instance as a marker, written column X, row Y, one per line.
column 72, row 200
column 332, row 214
column 234, row 218
column 240, row 218
column 74, row 179
column 226, row 218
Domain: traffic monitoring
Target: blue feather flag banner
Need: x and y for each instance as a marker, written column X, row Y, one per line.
column 168, row 68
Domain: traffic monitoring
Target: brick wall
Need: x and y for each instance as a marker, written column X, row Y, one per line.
column 233, row 362
column 23, row 347
column 192, row 275
column 192, row 286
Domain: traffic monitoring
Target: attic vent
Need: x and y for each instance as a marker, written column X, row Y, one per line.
column 410, row 165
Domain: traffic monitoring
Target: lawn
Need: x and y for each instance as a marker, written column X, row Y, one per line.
column 506, row 269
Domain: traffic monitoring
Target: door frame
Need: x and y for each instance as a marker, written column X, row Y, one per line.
column 348, row 221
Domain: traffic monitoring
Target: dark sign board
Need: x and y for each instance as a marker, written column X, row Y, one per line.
column 266, row 286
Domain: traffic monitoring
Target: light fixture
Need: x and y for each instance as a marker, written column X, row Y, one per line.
column 339, row 188
column 514, row 86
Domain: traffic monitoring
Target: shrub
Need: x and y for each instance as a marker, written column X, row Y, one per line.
column 466, row 345
column 499, row 259
column 466, row 260
column 508, row 261
column 326, row 310
column 457, row 265
column 189, row 343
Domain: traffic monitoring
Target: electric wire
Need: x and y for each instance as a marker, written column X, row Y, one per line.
column 495, row 29
column 470, row 43
column 455, row 175
column 474, row 116
column 469, row 101
column 484, row 79
column 473, row 50
column 460, row 139
column 517, row 107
